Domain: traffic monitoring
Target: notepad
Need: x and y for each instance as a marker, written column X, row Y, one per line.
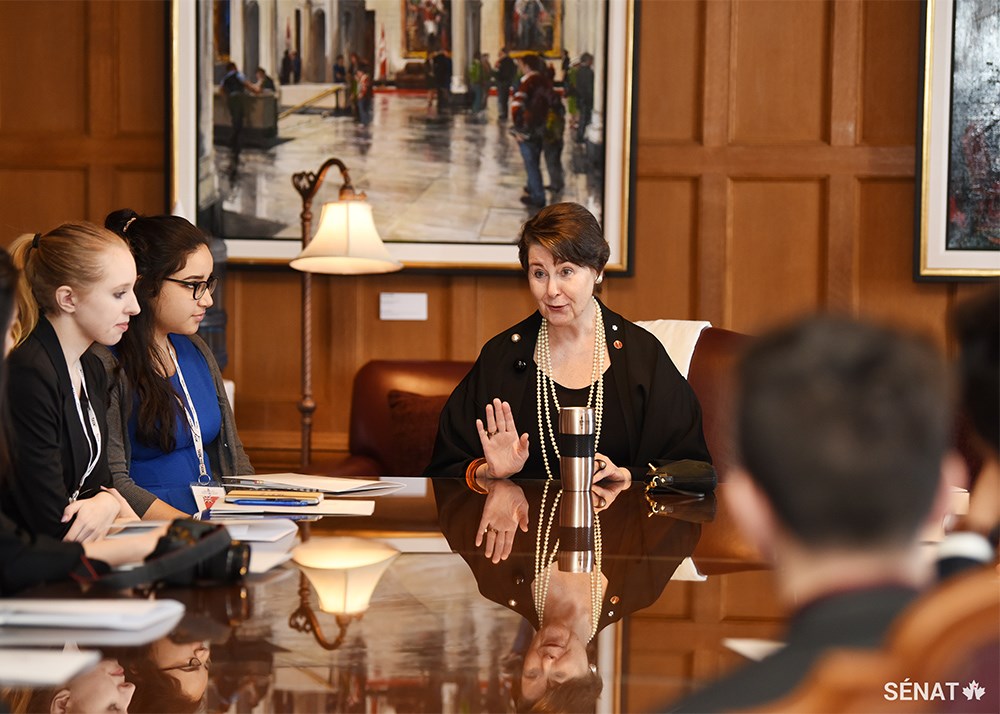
column 326, row 507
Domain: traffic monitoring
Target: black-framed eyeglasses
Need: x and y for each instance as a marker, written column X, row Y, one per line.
column 200, row 287
column 193, row 665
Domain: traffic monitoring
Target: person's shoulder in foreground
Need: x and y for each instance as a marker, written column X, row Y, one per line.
column 843, row 431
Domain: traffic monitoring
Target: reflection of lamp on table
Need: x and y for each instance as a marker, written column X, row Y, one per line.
column 346, row 243
column 345, row 572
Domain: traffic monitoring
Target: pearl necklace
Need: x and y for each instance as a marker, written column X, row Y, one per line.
column 545, row 386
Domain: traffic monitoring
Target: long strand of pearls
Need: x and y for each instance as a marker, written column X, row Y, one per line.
column 545, row 387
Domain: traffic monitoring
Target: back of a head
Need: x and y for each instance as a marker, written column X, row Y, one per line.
column 844, row 425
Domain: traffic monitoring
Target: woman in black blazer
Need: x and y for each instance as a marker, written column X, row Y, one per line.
column 26, row 561
column 76, row 289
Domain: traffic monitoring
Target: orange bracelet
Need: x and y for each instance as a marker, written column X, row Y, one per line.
column 470, row 475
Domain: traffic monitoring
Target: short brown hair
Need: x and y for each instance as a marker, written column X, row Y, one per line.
column 570, row 232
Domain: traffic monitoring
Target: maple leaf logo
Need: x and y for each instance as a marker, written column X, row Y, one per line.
column 973, row 691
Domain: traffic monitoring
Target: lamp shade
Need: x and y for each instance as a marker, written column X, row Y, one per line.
column 346, row 243
column 344, row 571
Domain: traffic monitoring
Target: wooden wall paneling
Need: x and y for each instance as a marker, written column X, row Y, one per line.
column 845, row 73
column 886, row 287
column 39, row 199
column 890, row 83
column 780, row 72
column 671, row 84
column 460, row 297
column 664, row 282
column 138, row 188
column 501, row 301
column 140, row 102
column 778, row 261
column 43, row 67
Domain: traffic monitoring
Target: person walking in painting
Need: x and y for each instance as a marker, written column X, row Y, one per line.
column 339, row 70
column 552, row 137
column 234, row 88
column 505, row 74
column 296, row 67
column 479, row 82
column 442, row 80
column 530, row 110
column 285, row 74
column 366, row 93
column 583, row 90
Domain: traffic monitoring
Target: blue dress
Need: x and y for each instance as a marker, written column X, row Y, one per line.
column 168, row 476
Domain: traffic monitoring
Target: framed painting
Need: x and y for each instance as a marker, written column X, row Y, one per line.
column 533, row 26
column 426, row 26
column 958, row 226
column 443, row 172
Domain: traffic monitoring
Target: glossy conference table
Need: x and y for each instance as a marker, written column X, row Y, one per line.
column 401, row 612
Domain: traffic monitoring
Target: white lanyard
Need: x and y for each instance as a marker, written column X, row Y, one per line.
column 192, row 417
column 95, row 430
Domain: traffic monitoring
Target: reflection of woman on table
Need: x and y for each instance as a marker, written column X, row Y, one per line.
column 101, row 689
column 640, row 554
column 502, row 418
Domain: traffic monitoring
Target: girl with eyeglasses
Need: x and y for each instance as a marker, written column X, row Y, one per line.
column 75, row 289
column 171, row 424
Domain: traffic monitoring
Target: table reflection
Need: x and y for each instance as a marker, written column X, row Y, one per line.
column 395, row 621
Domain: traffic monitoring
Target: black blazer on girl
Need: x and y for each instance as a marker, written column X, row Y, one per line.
column 48, row 443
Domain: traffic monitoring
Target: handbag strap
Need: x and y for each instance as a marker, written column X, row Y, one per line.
column 173, row 562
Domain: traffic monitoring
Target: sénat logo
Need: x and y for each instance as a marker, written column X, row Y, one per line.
column 907, row 691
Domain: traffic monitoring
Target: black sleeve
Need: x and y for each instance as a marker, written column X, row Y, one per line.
column 25, row 562
column 671, row 422
column 36, row 417
column 457, row 441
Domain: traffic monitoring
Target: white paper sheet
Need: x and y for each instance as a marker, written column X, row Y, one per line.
column 89, row 614
column 43, row 668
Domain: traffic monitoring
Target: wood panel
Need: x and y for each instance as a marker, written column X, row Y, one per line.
column 671, row 81
column 37, row 199
column 778, row 239
column 889, row 85
column 780, row 72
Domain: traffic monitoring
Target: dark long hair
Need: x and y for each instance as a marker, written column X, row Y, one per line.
column 161, row 246
column 8, row 297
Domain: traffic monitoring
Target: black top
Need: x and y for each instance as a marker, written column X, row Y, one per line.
column 657, row 408
column 50, row 448
column 25, row 562
column 855, row 619
column 613, row 440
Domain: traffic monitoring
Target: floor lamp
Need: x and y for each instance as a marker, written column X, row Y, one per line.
column 346, row 243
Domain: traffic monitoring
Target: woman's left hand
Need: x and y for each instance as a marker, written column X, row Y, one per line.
column 609, row 481
column 93, row 517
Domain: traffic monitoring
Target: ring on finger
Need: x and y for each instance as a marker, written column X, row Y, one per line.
column 601, row 464
column 601, row 502
column 491, row 434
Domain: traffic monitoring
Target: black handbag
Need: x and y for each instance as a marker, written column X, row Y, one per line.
column 686, row 477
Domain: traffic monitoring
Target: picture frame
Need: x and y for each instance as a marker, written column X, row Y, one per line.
column 957, row 234
column 195, row 171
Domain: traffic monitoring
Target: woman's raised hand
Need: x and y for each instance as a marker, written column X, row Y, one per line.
column 504, row 450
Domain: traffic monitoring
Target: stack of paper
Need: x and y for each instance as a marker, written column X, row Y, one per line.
column 327, row 507
column 86, row 622
column 304, row 482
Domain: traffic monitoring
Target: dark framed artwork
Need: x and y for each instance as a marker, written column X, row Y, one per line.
column 958, row 227
column 426, row 26
column 445, row 183
column 533, row 26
